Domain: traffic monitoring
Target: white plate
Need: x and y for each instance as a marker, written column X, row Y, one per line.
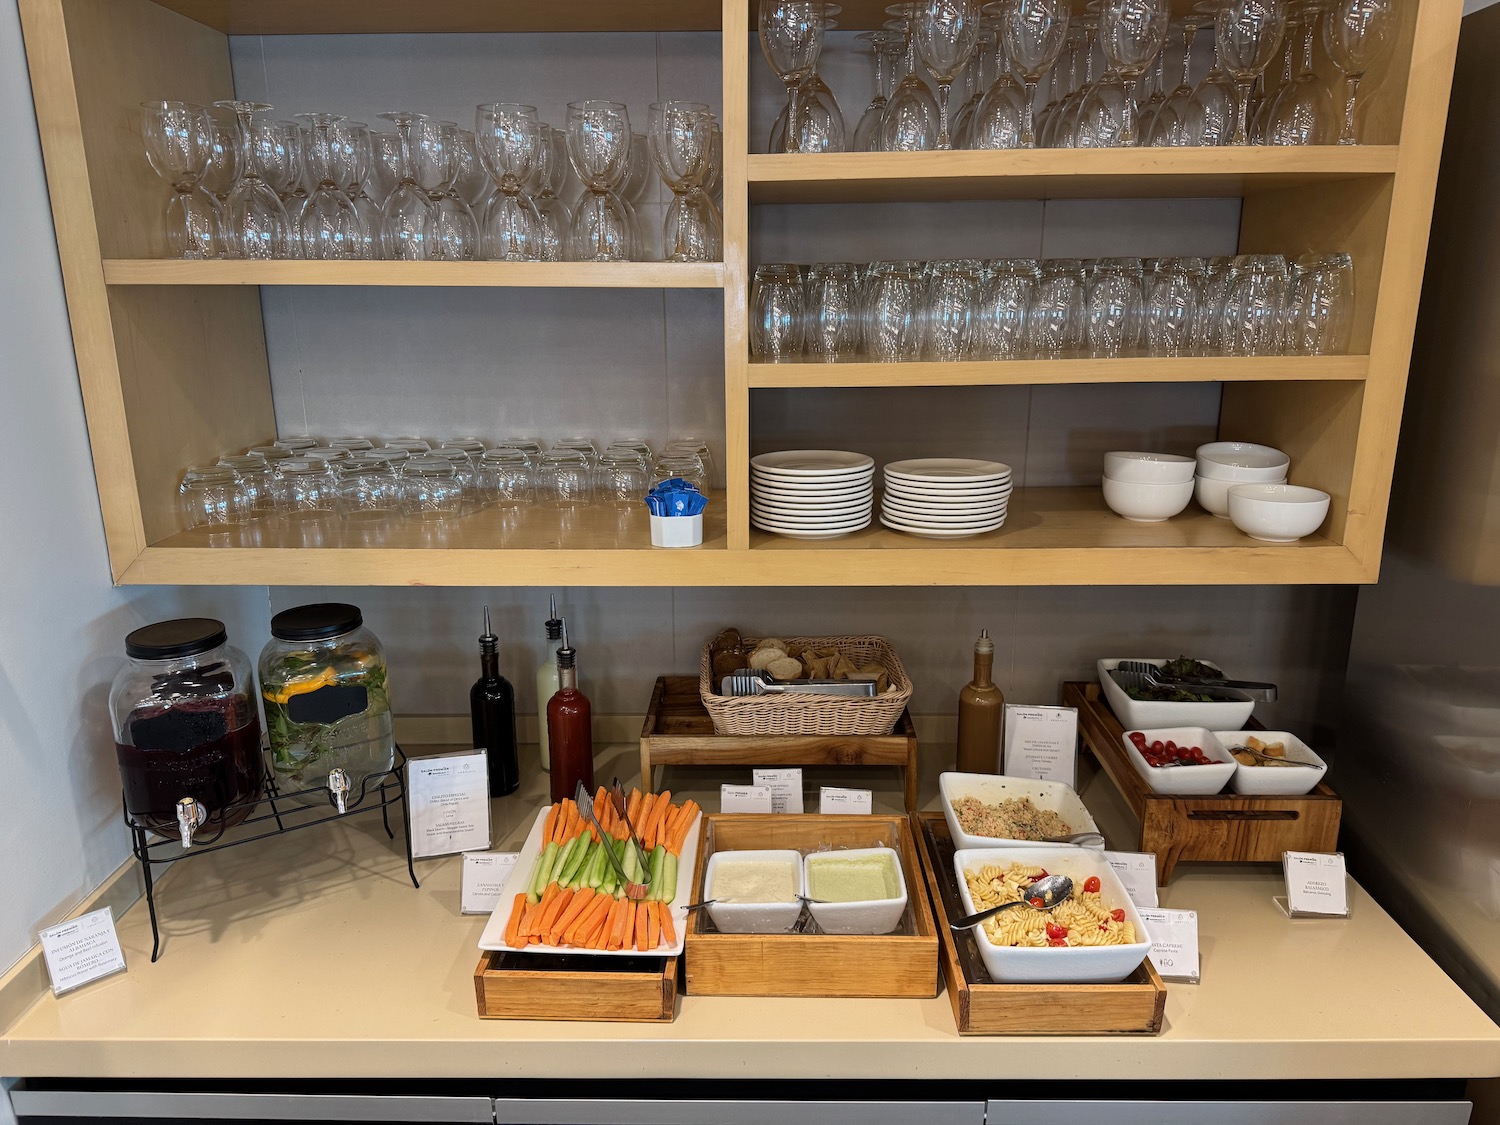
column 811, row 495
column 925, row 520
column 520, row 875
column 941, row 533
column 812, row 488
column 811, row 519
column 775, row 523
column 808, row 533
column 812, row 462
column 975, row 513
column 943, row 469
column 925, row 491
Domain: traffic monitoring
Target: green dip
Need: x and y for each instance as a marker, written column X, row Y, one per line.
column 856, row 879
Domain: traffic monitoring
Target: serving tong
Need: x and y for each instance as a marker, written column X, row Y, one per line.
column 748, row 682
column 585, row 803
column 1137, row 675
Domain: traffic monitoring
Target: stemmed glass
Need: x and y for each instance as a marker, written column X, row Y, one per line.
column 978, row 81
column 508, row 136
column 455, row 230
column 946, row 32
column 1211, row 112
column 556, row 219
column 911, row 116
column 630, row 191
column 359, row 169
column 1356, row 34
column 1171, row 126
column 1034, row 33
column 681, row 144
column 223, row 170
column 179, row 138
column 1131, row 32
column 867, row 132
column 1303, row 110
column 599, row 148
column 1248, row 33
column 791, row 38
column 998, row 119
column 407, row 221
column 255, row 222
column 329, row 227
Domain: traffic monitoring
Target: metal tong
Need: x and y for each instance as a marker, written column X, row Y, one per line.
column 1254, row 689
column 585, row 803
column 748, row 682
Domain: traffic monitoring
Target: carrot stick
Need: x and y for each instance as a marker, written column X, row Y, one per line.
column 653, row 939
column 643, row 817
column 627, row 933
column 617, row 931
column 550, row 829
column 642, row 927
column 633, row 805
column 611, row 925
column 533, row 923
column 550, row 919
column 658, row 817
column 591, row 919
column 591, row 931
column 681, row 814
column 668, row 931
column 573, row 912
column 513, row 927
column 549, row 913
column 679, row 837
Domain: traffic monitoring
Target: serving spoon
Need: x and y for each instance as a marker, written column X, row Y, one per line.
column 1047, row 893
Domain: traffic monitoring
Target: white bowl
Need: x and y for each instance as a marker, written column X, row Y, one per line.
column 1140, row 713
column 1148, row 468
column 1146, row 503
column 869, row 916
column 754, row 917
column 1277, row 513
column 1213, row 494
column 1273, row 781
column 993, row 788
column 1100, row 964
column 1183, row 781
column 1242, row 461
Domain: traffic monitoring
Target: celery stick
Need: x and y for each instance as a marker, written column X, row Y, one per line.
column 632, row 865
column 578, row 848
column 543, row 872
column 597, row 863
column 536, row 870
column 658, row 862
column 669, row 878
column 564, row 853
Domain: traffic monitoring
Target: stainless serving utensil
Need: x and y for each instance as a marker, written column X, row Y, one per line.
column 1082, row 839
column 1053, row 890
column 617, row 795
column 1138, row 681
column 585, row 805
column 1269, row 759
column 1257, row 690
column 747, row 682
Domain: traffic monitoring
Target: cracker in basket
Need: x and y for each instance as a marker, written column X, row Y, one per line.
column 786, row 668
column 817, row 667
column 842, row 668
column 763, row 658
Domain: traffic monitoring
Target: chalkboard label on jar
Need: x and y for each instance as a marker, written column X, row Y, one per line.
column 328, row 704
column 178, row 729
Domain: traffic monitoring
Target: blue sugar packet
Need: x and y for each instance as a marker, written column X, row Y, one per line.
column 675, row 497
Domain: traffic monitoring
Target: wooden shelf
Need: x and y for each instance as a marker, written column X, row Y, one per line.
column 995, row 373
column 540, row 275
column 393, row 17
column 879, row 177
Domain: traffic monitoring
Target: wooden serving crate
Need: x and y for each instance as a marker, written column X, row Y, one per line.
column 903, row 963
column 680, row 732
column 522, row 986
column 981, row 1006
column 1224, row 828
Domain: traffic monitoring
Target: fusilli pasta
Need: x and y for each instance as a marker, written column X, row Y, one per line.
column 1081, row 921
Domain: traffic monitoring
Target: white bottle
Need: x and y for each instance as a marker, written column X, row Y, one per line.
column 547, row 681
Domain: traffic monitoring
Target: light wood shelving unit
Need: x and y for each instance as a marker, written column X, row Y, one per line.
column 158, row 396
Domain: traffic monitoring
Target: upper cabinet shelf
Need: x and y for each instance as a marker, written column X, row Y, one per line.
column 392, row 17
column 541, row 275
column 1059, row 173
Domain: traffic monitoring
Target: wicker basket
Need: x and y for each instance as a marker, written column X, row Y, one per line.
column 811, row 714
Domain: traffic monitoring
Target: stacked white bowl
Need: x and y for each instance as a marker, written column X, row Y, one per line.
column 1147, row 487
column 1224, row 464
column 812, row 493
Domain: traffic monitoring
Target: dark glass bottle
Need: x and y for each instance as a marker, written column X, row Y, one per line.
column 570, row 728
column 981, row 714
column 492, row 705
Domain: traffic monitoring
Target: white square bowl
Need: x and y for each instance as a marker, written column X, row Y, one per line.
column 871, row 916
column 992, row 789
column 1140, row 713
column 1103, row 964
column 1274, row 781
column 1184, row 781
column 754, row 917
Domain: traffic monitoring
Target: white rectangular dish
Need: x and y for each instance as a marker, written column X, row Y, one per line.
column 754, row 917
column 1183, row 781
column 993, row 788
column 1274, row 781
column 1138, row 714
column 1100, row 964
column 520, row 875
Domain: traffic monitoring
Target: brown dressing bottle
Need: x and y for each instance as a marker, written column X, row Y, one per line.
column 981, row 711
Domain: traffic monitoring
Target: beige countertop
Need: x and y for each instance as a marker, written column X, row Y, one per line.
column 313, row 956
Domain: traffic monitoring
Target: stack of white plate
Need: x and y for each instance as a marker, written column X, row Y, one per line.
column 811, row 493
column 945, row 497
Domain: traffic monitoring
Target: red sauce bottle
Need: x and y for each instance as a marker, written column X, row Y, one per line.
column 570, row 728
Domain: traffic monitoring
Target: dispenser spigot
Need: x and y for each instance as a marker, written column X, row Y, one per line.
column 338, row 789
column 190, row 814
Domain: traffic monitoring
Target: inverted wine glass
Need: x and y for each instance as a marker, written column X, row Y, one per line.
column 407, row 220
column 599, row 144
column 508, row 137
column 791, row 38
column 680, row 139
column 179, row 139
column 1131, row 32
column 553, row 214
column 329, row 226
column 911, row 117
column 867, row 132
column 255, row 222
column 1303, row 113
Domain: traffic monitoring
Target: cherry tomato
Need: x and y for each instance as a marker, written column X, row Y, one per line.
column 1137, row 737
column 1036, row 902
column 1171, row 746
column 1040, row 875
column 1118, row 914
column 1056, row 931
column 1159, row 746
column 1091, row 885
column 1057, row 942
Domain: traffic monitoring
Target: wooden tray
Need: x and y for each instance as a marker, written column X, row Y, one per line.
column 1225, row 828
column 904, row 963
column 509, row 986
column 680, row 732
column 983, row 1007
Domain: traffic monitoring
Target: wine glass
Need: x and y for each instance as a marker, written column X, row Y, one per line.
column 820, row 122
column 599, row 143
column 1034, row 33
column 1356, row 34
column 1211, row 112
column 555, row 217
column 1171, row 125
column 329, row 226
column 255, row 222
column 911, row 116
column 223, row 169
column 946, row 32
column 1131, row 32
column 407, row 226
column 977, row 79
column 179, row 139
column 998, row 120
column 1303, row 112
column 681, row 142
column 507, row 136
column 791, row 38
column 455, row 230
column 867, row 132
column 359, row 169
column 1248, row 33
